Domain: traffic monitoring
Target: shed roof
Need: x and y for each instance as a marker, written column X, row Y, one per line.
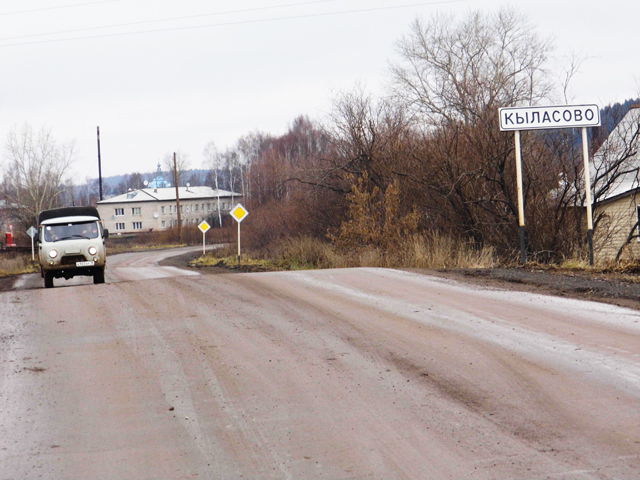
column 610, row 177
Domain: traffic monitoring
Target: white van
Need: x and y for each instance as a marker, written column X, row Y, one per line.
column 71, row 243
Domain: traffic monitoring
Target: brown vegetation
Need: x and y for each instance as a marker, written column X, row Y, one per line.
column 389, row 181
column 397, row 180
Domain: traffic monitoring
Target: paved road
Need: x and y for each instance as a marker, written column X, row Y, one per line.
column 121, row 268
column 337, row 374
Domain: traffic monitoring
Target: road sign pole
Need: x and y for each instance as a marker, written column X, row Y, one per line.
column 523, row 246
column 32, row 232
column 587, row 187
column 204, row 228
column 239, row 213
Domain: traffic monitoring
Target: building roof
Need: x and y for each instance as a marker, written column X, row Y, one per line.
column 168, row 194
column 612, row 177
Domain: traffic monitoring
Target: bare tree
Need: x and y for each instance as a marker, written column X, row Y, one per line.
column 34, row 172
column 235, row 171
column 251, row 148
column 182, row 162
column 213, row 162
column 368, row 138
column 453, row 76
column 457, row 71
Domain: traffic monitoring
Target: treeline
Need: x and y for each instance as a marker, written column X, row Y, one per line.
column 428, row 157
column 424, row 160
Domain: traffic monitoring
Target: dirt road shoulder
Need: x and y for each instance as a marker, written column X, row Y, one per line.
column 615, row 289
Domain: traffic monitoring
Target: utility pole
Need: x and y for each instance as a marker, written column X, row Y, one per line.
column 175, row 178
column 99, row 164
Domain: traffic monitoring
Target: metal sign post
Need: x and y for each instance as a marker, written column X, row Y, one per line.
column 204, row 227
column 32, row 233
column 239, row 213
column 541, row 118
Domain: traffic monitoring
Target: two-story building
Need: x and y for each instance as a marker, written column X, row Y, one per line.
column 156, row 208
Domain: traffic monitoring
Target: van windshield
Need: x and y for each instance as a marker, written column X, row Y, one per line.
column 68, row 231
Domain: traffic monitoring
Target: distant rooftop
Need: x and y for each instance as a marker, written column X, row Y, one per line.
column 169, row 194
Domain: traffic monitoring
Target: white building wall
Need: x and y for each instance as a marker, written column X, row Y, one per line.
column 124, row 217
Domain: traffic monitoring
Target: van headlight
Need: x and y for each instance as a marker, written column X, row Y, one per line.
column 53, row 253
column 93, row 250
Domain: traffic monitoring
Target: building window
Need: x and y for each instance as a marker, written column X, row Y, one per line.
column 119, row 226
column 119, row 212
column 162, row 210
column 164, row 225
column 203, row 207
column 208, row 207
column 137, row 225
column 136, row 211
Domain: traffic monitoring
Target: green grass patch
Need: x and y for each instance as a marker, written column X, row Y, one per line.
column 231, row 262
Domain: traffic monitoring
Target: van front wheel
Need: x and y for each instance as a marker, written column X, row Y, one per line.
column 98, row 277
column 48, row 280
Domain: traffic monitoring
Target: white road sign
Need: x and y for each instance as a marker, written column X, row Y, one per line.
column 32, row 232
column 537, row 118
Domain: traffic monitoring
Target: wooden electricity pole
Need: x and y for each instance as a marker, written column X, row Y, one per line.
column 99, row 164
column 175, row 178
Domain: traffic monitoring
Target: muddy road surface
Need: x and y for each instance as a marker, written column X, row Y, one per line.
column 340, row 374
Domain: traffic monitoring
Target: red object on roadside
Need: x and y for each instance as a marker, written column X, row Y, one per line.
column 9, row 242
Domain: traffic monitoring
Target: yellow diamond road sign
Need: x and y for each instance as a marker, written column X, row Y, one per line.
column 204, row 226
column 239, row 213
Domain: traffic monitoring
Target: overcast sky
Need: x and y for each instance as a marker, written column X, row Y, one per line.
column 160, row 76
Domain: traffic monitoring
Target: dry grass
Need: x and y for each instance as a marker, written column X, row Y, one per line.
column 310, row 253
column 168, row 238
column 15, row 264
column 423, row 252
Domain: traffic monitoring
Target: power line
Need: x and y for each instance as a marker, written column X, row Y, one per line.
column 229, row 12
column 58, row 7
column 239, row 22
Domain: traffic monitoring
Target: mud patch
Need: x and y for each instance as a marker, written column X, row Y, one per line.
column 35, row 369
